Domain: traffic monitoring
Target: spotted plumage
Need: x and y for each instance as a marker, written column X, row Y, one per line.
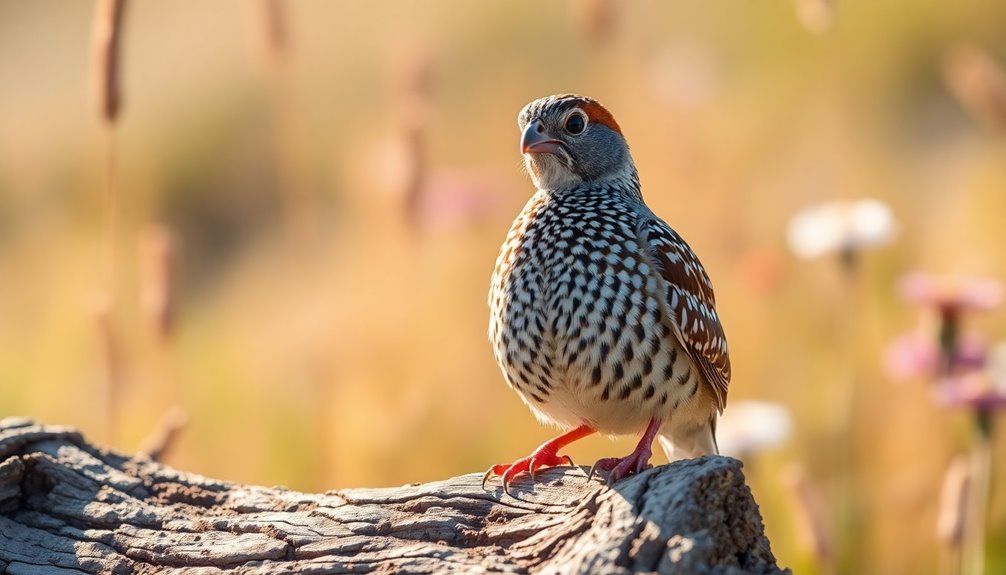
column 601, row 316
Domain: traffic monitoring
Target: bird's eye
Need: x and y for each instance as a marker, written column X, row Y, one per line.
column 575, row 123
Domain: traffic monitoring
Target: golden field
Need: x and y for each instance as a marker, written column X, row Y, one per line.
column 329, row 204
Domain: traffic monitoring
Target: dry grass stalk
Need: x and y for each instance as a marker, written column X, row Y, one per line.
column 953, row 502
column 415, row 85
column 106, row 49
column 272, row 31
column 157, row 266
column 163, row 437
column 979, row 488
column 111, row 354
column 596, row 19
column 809, row 516
column 978, row 82
column 952, row 518
column 415, row 81
column 274, row 40
column 415, row 171
column 106, row 41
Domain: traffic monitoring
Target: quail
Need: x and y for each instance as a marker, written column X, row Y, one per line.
column 602, row 318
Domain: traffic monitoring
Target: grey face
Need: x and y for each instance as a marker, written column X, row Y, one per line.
column 567, row 140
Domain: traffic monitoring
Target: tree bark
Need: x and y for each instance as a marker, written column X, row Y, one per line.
column 68, row 507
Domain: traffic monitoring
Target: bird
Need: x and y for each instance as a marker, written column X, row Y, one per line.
column 601, row 317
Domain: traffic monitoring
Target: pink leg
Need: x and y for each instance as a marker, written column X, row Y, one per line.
column 547, row 455
column 635, row 462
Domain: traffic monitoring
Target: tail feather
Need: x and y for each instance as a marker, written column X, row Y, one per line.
column 686, row 444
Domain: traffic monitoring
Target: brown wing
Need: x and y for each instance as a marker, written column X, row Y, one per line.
column 689, row 297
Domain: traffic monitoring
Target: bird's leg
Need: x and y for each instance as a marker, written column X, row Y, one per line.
column 547, row 455
column 635, row 462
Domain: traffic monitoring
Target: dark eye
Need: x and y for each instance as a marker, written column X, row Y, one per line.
column 575, row 123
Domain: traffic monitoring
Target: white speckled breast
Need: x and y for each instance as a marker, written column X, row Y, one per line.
column 578, row 316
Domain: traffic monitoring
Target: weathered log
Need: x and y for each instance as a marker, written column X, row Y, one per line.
column 67, row 507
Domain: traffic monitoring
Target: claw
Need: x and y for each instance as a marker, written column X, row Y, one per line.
column 618, row 468
column 544, row 456
column 509, row 473
column 603, row 464
column 489, row 473
column 506, row 489
column 532, row 464
column 612, row 465
column 633, row 463
column 493, row 472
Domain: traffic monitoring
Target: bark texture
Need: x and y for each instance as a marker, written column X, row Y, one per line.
column 67, row 507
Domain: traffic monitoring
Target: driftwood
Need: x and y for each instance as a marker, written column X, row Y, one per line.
column 67, row 507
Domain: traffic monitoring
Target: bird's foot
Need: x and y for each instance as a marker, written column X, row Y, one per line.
column 544, row 456
column 635, row 462
column 547, row 455
column 620, row 467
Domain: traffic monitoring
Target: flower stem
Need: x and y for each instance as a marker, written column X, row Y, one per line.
column 949, row 335
column 978, row 496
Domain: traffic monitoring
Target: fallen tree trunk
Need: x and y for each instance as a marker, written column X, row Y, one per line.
column 67, row 507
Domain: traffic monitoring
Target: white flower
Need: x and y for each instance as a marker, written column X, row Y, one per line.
column 836, row 227
column 750, row 426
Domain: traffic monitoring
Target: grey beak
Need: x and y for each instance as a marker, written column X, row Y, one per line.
column 534, row 140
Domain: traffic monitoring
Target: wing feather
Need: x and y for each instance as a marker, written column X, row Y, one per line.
column 691, row 302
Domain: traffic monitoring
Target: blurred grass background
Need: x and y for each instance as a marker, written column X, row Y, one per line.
column 331, row 319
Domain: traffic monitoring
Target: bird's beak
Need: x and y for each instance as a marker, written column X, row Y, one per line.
column 535, row 141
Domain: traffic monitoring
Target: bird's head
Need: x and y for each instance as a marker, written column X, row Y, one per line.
column 567, row 140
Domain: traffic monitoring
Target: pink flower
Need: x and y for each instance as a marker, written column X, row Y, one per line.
column 949, row 297
column 976, row 389
column 911, row 355
column 916, row 354
column 979, row 389
column 951, row 292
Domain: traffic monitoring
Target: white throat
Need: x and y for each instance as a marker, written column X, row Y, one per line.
column 550, row 172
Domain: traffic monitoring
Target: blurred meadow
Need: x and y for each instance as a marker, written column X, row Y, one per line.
column 307, row 199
